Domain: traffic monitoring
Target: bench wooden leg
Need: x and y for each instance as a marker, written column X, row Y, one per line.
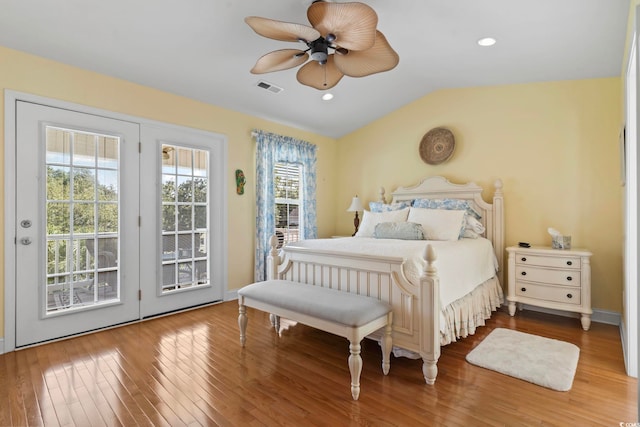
column 242, row 323
column 387, row 345
column 355, row 367
column 275, row 322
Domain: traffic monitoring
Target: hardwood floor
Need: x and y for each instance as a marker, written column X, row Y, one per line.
column 189, row 369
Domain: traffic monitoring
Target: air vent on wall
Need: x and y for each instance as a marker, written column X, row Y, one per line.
column 270, row 87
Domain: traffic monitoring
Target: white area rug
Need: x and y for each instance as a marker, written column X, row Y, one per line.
column 542, row 361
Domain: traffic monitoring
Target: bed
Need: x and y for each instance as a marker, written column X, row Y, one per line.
column 428, row 309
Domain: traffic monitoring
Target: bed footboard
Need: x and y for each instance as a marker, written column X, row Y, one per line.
column 416, row 307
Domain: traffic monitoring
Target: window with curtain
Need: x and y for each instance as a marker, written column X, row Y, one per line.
column 288, row 201
column 285, row 192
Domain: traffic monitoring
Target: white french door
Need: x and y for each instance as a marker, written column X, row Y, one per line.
column 115, row 220
column 77, row 192
column 182, row 220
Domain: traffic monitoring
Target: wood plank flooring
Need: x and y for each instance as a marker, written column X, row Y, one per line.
column 189, row 369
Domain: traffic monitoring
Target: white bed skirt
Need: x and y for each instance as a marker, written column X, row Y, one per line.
column 463, row 316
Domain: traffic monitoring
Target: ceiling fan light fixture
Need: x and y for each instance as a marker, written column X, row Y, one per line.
column 319, row 56
column 327, row 97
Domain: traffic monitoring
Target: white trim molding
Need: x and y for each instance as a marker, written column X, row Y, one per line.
column 600, row 316
column 231, row 295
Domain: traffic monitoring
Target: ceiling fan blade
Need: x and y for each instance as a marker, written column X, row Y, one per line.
column 279, row 60
column 381, row 57
column 319, row 76
column 280, row 30
column 353, row 24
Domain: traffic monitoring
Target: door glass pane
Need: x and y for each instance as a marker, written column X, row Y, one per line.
column 58, row 146
column 84, row 184
column 184, row 210
column 83, row 149
column 185, row 189
column 60, row 185
column 108, row 152
column 108, row 218
column 108, row 185
column 82, row 221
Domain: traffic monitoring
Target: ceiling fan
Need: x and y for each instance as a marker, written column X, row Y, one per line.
column 342, row 40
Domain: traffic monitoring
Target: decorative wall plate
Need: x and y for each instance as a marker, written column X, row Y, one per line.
column 437, row 146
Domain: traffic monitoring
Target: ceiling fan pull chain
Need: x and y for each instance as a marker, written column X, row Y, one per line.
column 325, row 74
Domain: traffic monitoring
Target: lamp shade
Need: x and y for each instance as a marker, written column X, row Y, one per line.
column 356, row 205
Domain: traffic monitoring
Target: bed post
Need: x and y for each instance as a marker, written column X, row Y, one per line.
column 430, row 317
column 381, row 197
column 498, row 227
column 273, row 259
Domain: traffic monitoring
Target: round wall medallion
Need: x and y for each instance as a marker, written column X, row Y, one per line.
column 437, row 146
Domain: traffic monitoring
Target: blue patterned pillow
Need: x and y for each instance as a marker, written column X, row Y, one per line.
column 399, row 230
column 448, row 204
column 381, row 207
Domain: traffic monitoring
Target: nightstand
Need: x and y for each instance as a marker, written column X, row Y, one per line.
column 550, row 278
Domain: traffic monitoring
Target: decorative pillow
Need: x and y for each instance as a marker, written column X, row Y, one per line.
column 371, row 219
column 469, row 234
column 399, row 230
column 448, row 204
column 472, row 228
column 438, row 224
column 381, row 207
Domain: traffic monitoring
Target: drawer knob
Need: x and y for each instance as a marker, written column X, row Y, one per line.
column 523, row 259
column 569, row 278
column 569, row 263
column 523, row 289
column 524, row 273
column 569, row 296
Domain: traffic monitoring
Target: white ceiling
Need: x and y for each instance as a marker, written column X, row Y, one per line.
column 202, row 49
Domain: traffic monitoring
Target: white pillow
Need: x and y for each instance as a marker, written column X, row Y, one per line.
column 438, row 224
column 371, row 219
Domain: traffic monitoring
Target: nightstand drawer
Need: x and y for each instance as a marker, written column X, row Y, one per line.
column 548, row 261
column 555, row 277
column 548, row 293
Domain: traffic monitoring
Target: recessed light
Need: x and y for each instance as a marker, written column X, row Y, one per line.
column 487, row 41
column 327, row 96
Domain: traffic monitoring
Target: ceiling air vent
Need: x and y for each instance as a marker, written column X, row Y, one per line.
column 270, row 87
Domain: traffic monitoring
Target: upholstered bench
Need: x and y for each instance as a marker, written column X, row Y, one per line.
column 341, row 313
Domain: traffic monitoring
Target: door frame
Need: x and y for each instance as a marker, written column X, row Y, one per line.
column 9, row 243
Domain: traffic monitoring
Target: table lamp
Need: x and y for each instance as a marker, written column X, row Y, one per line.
column 356, row 205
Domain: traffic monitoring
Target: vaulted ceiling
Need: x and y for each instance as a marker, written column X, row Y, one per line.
column 202, row 49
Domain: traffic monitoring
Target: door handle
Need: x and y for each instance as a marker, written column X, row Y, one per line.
column 25, row 240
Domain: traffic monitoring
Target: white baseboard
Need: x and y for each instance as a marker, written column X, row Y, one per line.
column 599, row 316
column 1, row 345
column 231, row 295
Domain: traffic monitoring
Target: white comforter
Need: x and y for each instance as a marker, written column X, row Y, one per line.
column 462, row 264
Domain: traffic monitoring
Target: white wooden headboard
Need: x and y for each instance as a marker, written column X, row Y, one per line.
column 438, row 187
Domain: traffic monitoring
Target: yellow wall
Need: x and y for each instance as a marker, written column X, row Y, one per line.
column 555, row 146
column 35, row 75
